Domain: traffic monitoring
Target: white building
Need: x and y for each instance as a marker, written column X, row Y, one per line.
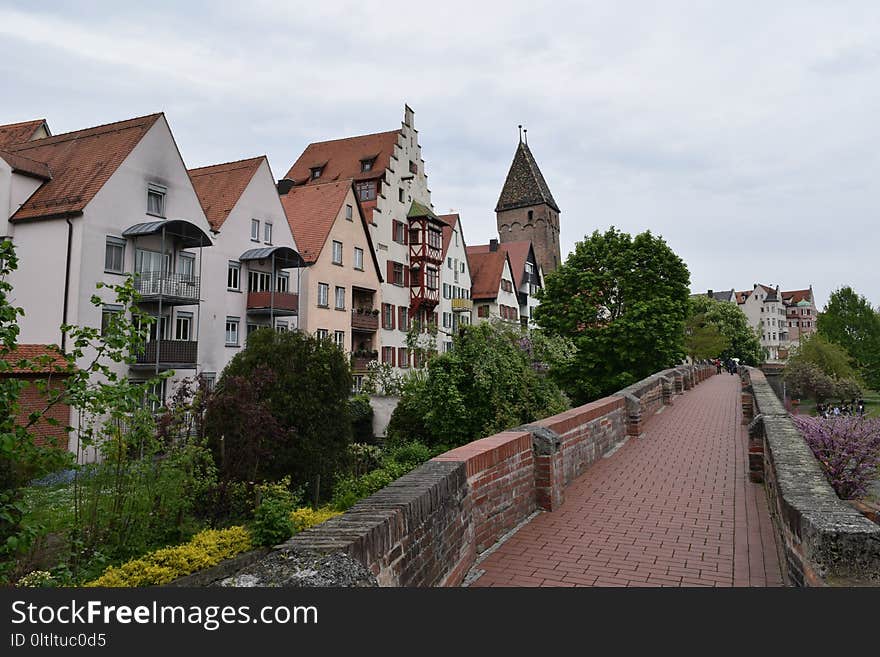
column 493, row 291
column 766, row 312
column 253, row 267
column 456, row 307
column 528, row 277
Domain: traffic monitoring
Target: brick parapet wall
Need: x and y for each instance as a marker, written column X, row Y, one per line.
column 32, row 399
column 428, row 527
column 826, row 541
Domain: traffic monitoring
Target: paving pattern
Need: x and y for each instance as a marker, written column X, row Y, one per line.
column 672, row 508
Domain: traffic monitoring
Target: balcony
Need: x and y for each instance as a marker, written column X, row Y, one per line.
column 172, row 354
column 359, row 363
column 365, row 322
column 171, row 289
column 462, row 305
column 263, row 303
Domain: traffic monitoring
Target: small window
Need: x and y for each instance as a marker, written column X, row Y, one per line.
column 108, row 312
column 349, row 212
column 323, row 295
column 388, row 316
column 210, row 379
column 413, row 167
column 358, row 258
column 388, row 355
column 322, row 334
column 186, row 264
column 402, row 357
column 399, row 232
column 340, row 298
column 483, row 311
column 267, row 233
column 114, row 255
column 366, row 191
column 367, row 165
column 403, row 318
column 255, row 230
column 233, row 274
column 183, row 326
column 156, row 199
column 449, row 263
column 259, row 281
column 400, row 195
column 397, row 274
column 232, row 324
column 316, row 172
column 337, row 252
column 461, row 266
column 339, row 339
column 282, row 282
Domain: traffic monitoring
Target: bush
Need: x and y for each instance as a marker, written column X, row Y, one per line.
column 206, row 549
column 806, row 379
column 848, row 449
column 361, row 419
column 307, row 517
column 271, row 524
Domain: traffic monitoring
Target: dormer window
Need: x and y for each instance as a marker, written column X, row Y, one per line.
column 156, row 199
column 367, row 164
column 316, row 172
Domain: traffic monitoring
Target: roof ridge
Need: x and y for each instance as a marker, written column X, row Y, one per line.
column 19, row 123
column 194, row 170
column 371, row 134
column 102, row 129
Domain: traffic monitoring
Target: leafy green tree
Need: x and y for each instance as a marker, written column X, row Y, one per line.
column 306, row 393
column 702, row 339
column 830, row 358
column 849, row 321
column 623, row 301
column 489, row 382
column 732, row 323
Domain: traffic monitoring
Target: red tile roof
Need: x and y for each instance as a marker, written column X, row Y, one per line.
column 311, row 212
column 486, row 270
column 341, row 158
column 449, row 223
column 796, row 296
column 17, row 133
column 517, row 251
column 49, row 359
column 80, row 163
column 219, row 187
column 26, row 166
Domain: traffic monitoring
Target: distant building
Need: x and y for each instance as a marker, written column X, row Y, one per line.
column 455, row 298
column 493, row 292
column 766, row 313
column 528, row 277
column 800, row 315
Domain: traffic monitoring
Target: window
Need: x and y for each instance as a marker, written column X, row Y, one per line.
column 397, row 273
column 447, row 320
column 339, row 339
column 322, row 334
column 156, row 199
column 108, row 312
column 446, row 294
column 402, row 318
column 183, row 326
column 232, row 331
column 402, row 357
column 400, row 195
column 367, row 165
column 186, row 264
column 233, row 271
column 388, row 355
column 259, row 281
column 148, row 261
column 282, row 282
column 267, row 233
column 366, row 191
column 316, row 172
column 337, row 252
column 432, row 278
column 210, row 379
column 250, row 329
column 255, row 230
column 114, row 255
column 449, row 262
column 413, row 167
column 483, row 311
column 506, row 285
column 323, row 295
column 447, row 346
column 357, row 383
column 358, row 258
column 340, row 298
column 399, row 229
column 349, row 212
column 531, row 215
column 387, row 316
column 435, row 239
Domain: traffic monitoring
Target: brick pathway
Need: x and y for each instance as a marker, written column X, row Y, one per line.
column 673, row 508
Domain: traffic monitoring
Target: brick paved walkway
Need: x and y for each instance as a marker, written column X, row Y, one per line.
column 673, row 508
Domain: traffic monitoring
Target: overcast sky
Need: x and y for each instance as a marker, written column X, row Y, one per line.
column 746, row 133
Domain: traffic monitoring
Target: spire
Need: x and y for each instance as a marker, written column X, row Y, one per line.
column 525, row 185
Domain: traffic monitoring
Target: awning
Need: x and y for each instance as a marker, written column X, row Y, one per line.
column 187, row 233
column 285, row 257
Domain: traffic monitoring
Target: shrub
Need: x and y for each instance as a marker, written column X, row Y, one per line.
column 361, row 419
column 847, row 448
column 37, row 579
column 307, row 517
column 271, row 524
column 206, row 549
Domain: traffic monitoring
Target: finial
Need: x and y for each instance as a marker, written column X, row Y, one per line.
column 520, row 133
column 526, row 135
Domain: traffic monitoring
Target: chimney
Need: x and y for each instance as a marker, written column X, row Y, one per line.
column 493, row 245
column 710, row 294
column 284, row 186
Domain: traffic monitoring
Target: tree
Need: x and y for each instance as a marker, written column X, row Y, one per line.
column 490, row 381
column 304, row 383
column 732, row 323
column 623, row 301
column 821, row 370
column 849, row 321
column 702, row 339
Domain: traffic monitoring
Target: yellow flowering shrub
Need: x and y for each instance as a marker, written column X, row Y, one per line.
column 205, row 549
column 306, row 517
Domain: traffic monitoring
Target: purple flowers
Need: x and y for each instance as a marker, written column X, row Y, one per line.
column 848, row 448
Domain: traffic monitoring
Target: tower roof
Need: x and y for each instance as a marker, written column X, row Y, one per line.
column 525, row 185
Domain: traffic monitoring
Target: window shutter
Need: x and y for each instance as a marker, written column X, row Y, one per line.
column 406, row 276
column 391, row 324
column 389, row 266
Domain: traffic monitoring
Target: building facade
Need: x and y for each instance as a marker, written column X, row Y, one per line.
column 528, row 276
column 456, row 306
column 494, row 293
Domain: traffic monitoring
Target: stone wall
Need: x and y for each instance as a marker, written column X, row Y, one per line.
column 429, row 527
column 826, row 541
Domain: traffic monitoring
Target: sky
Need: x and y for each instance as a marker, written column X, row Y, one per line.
column 745, row 133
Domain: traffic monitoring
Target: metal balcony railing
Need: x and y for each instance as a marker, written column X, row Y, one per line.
column 153, row 284
column 462, row 305
column 176, row 352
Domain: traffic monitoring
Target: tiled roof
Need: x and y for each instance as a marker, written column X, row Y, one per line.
column 486, row 271
column 341, row 158
column 449, row 223
column 796, row 296
column 219, row 187
column 517, row 251
column 723, row 296
column 311, row 212
column 525, row 184
column 50, row 359
column 25, row 165
column 17, row 133
column 742, row 296
column 80, row 163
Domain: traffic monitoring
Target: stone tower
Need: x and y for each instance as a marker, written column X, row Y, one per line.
column 526, row 209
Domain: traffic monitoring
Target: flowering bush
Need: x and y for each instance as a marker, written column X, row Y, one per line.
column 37, row 579
column 307, row 517
column 848, row 448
